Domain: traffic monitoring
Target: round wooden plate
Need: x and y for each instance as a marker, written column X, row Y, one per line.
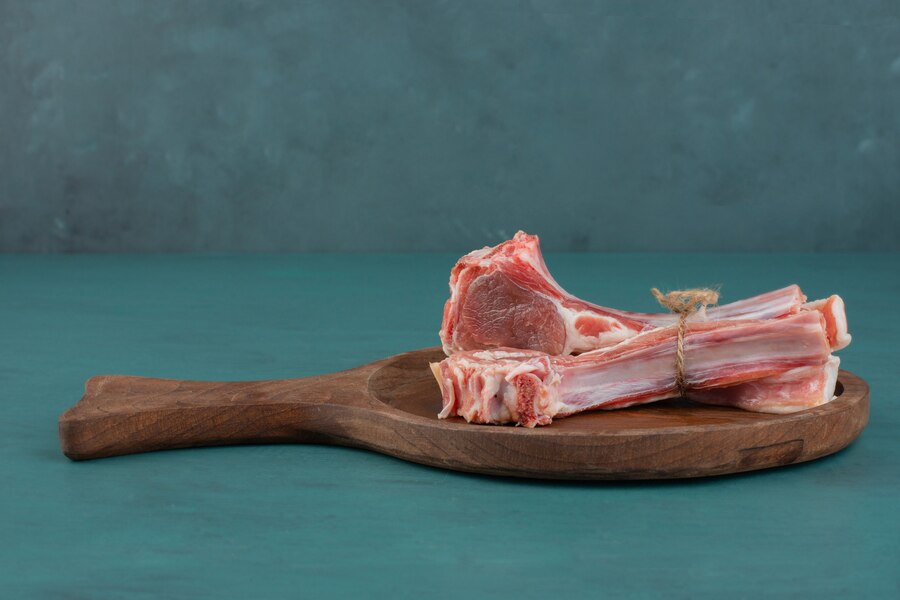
column 671, row 439
column 391, row 406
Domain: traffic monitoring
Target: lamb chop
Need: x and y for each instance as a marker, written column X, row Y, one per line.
column 504, row 296
column 777, row 365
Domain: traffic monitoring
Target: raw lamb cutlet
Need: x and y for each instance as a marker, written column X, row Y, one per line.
column 504, row 296
column 777, row 365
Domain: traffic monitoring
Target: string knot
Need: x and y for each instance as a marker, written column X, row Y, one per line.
column 684, row 303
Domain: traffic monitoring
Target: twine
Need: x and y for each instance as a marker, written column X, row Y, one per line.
column 684, row 303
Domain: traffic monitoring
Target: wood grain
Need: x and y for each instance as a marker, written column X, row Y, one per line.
column 390, row 406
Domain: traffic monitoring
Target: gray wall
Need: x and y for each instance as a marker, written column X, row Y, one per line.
column 426, row 125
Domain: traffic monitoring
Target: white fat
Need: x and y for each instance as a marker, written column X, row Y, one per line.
column 578, row 342
column 832, row 367
column 447, row 394
column 498, row 354
column 520, row 369
column 490, row 389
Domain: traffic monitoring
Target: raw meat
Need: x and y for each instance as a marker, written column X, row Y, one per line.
column 531, row 388
column 797, row 389
column 504, row 296
column 832, row 309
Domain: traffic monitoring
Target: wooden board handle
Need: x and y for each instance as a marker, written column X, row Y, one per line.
column 124, row 415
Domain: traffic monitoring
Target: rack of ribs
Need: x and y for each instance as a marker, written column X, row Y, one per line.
column 505, row 297
column 776, row 365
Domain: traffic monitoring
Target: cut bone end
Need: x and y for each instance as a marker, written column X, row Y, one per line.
column 835, row 315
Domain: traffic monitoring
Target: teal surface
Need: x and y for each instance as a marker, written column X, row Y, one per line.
column 319, row 522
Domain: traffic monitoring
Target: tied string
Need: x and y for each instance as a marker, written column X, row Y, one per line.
column 684, row 303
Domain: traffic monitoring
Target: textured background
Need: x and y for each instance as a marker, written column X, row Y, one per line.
column 388, row 125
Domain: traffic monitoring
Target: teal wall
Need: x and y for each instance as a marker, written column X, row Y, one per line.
column 426, row 125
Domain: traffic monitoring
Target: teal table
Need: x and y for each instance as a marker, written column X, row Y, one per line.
column 317, row 522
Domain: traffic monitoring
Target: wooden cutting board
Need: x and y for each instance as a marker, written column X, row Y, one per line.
column 391, row 406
